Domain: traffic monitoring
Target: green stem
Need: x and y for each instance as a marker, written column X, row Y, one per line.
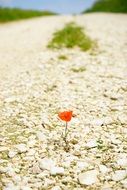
column 66, row 130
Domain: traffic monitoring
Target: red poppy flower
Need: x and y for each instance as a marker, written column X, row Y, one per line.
column 65, row 116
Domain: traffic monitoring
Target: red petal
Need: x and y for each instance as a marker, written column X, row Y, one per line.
column 65, row 116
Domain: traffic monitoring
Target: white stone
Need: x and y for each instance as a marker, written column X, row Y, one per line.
column 122, row 162
column 46, row 164
column 43, row 174
column 21, row 148
column 2, row 148
column 11, row 186
column 31, row 143
column 36, row 169
column 56, row 188
column 91, row 144
column 11, row 154
column 25, row 188
column 10, row 99
column 29, row 158
column 114, row 140
column 106, row 187
column 88, row 178
column 66, row 164
column 57, row 171
column 41, row 136
column 48, row 182
column 3, row 169
column 119, row 175
column 97, row 122
column 123, row 118
column 71, row 158
column 124, row 183
column 10, row 171
column 37, row 185
column 31, row 152
column 2, row 161
column 115, row 97
column 25, row 180
column 107, row 120
column 82, row 165
column 17, row 179
column 103, row 169
column 67, row 179
column 122, row 156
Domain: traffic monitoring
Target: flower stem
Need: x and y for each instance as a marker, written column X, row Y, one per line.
column 65, row 130
column 65, row 138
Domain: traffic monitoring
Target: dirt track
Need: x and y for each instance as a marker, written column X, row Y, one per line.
column 35, row 85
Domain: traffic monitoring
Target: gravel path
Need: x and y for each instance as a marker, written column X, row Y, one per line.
column 35, row 84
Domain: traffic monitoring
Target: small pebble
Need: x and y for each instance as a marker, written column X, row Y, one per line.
column 119, row 175
column 88, row 178
column 103, row 169
column 21, row 148
column 91, row 144
column 57, row 171
column 46, row 164
column 11, row 154
column 122, row 162
column 56, row 188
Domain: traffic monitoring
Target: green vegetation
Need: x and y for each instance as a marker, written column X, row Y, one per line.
column 78, row 70
column 116, row 6
column 62, row 57
column 9, row 14
column 71, row 36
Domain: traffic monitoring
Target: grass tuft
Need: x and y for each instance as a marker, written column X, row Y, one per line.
column 62, row 57
column 78, row 70
column 71, row 36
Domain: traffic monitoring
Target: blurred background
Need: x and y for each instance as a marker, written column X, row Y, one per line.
column 58, row 6
column 18, row 9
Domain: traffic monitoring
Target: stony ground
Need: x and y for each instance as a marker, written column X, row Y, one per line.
column 35, row 84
